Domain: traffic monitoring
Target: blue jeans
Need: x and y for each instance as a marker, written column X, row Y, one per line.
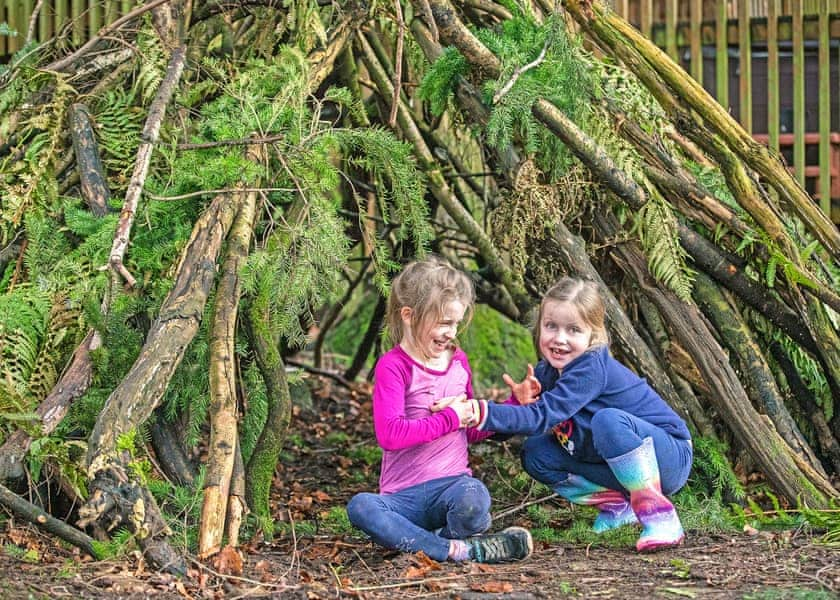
column 614, row 433
column 406, row 520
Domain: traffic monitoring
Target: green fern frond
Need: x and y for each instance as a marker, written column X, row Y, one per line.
column 152, row 68
column 24, row 318
column 657, row 228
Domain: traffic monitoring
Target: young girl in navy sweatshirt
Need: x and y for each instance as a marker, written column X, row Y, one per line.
column 601, row 435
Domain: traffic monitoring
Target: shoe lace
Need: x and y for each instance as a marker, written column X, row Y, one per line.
column 494, row 547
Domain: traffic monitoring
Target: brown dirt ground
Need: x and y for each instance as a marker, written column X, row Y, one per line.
column 761, row 566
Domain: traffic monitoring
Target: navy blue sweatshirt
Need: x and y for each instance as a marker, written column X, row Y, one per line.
column 591, row 382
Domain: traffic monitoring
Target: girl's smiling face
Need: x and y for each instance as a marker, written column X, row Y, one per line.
column 431, row 344
column 564, row 335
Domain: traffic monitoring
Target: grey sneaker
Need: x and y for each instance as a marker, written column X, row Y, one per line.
column 513, row 543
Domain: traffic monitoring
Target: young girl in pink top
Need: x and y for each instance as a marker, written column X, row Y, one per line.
column 428, row 499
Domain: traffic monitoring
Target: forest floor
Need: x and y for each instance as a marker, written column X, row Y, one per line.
column 310, row 560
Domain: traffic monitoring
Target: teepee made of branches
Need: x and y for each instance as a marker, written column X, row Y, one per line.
column 186, row 193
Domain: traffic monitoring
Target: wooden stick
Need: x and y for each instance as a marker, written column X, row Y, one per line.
column 37, row 516
column 151, row 131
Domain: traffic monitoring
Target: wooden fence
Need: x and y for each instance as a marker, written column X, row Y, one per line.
column 780, row 76
column 77, row 19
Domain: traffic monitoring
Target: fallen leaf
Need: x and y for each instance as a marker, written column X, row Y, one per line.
column 492, row 587
column 321, row 496
column 228, row 561
column 263, row 571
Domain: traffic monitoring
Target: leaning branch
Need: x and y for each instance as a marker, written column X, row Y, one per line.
column 33, row 514
column 151, row 131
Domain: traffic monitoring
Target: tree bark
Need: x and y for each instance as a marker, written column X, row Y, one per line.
column 223, row 405
column 138, row 394
column 260, row 469
column 760, row 384
column 94, row 187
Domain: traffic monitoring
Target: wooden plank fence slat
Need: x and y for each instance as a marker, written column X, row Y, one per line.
column 721, row 55
column 745, row 65
column 798, row 95
column 696, row 40
column 671, row 9
column 824, row 58
column 773, row 122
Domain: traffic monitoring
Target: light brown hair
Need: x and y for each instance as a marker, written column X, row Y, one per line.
column 586, row 298
column 426, row 287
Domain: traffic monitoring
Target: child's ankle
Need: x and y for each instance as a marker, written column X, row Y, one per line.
column 459, row 551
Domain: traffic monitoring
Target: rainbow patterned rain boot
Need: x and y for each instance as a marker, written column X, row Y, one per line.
column 638, row 472
column 615, row 509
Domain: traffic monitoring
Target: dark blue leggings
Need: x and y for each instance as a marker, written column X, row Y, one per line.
column 407, row 520
column 614, row 433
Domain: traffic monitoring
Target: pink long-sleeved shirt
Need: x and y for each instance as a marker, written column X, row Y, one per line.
column 419, row 445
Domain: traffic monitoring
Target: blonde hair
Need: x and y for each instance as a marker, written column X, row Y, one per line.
column 426, row 287
column 586, row 298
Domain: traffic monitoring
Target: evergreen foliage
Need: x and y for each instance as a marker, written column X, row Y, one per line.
column 441, row 80
column 561, row 78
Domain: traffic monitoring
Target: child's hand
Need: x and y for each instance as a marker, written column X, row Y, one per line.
column 528, row 390
column 467, row 411
column 441, row 403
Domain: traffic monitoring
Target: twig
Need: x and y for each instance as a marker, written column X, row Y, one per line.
column 398, row 60
column 18, row 265
column 518, row 73
column 33, row 21
column 214, row 193
column 65, row 62
column 389, row 586
column 509, row 511
column 243, row 142
column 309, row 368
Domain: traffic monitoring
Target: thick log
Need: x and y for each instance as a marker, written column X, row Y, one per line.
column 260, row 468
column 713, row 262
column 91, row 174
column 170, row 452
column 756, row 373
column 223, row 404
column 236, row 508
column 140, row 392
